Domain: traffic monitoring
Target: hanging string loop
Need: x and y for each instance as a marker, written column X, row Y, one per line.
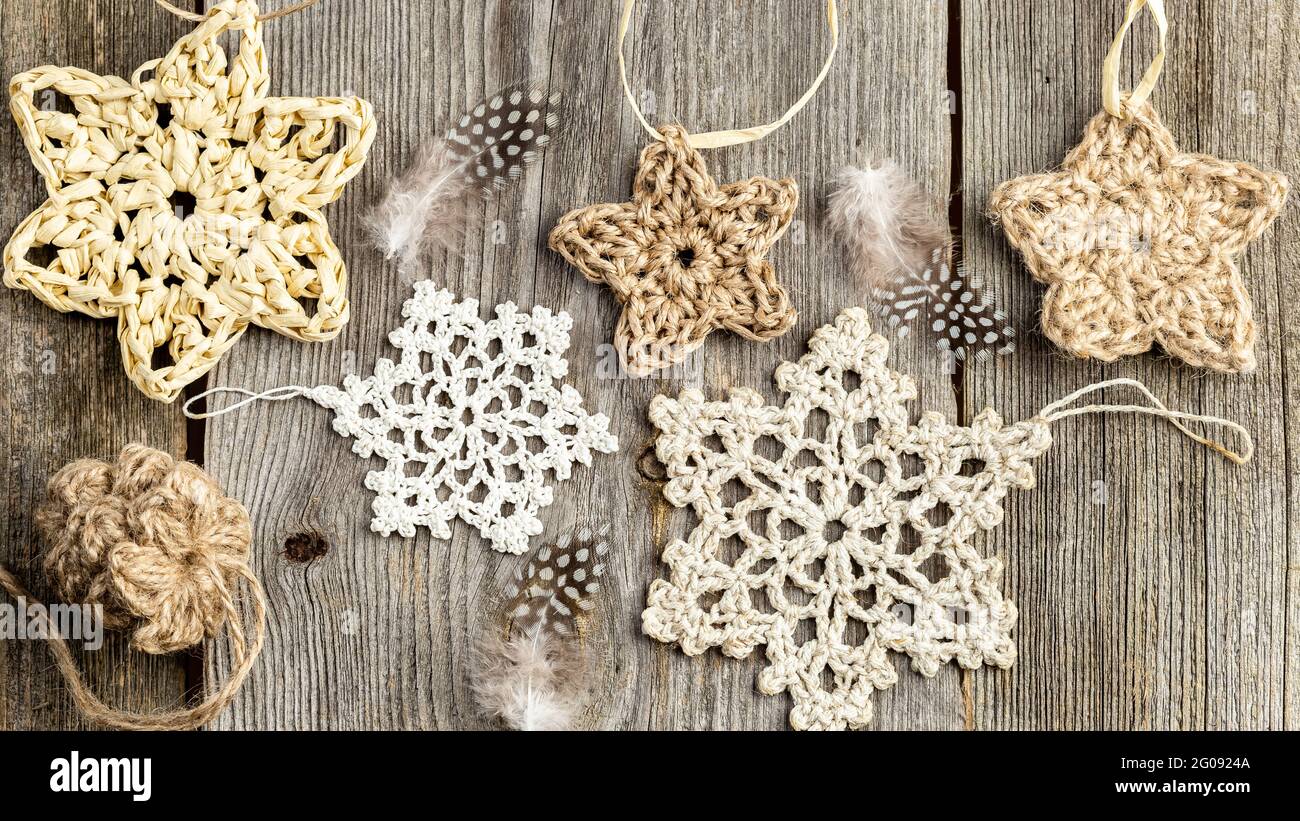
column 273, row 395
column 1115, row 101
column 735, row 136
column 261, row 18
column 1060, row 410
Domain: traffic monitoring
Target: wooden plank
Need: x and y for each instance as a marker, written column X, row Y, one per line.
column 62, row 389
column 376, row 632
column 863, row 110
column 1152, row 576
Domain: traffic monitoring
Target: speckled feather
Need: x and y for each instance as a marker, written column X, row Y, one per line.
column 557, row 582
column 488, row 150
column 961, row 318
column 504, row 134
column 533, row 674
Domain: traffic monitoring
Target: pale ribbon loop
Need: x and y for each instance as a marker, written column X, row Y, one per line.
column 261, row 18
column 1111, row 96
column 736, row 136
column 1058, row 410
column 273, row 395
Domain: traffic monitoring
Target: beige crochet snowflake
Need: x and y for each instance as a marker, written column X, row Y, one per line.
column 832, row 530
column 186, row 202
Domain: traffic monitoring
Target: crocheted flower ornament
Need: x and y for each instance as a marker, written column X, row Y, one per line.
column 152, row 539
column 685, row 256
column 1135, row 241
column 186, row 203
column 833, row 531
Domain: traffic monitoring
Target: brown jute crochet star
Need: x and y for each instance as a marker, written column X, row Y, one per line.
column 186, row 202
column 685, row 256
column 1135, row 241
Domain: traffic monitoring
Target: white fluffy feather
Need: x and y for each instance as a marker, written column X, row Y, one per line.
column 427, row 206
column 885, row 219
column 530, row 682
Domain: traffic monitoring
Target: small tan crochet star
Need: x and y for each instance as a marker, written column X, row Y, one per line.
column 685, row 256
column 186, row 202
column 1135, row 241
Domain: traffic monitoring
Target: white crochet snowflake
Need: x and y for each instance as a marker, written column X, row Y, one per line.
column 469, row 420
column 832, row 530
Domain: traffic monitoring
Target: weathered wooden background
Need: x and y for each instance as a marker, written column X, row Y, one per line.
column 1157, row 584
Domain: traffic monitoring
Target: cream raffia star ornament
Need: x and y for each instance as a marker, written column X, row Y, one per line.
column 833, row 530
column 1136, row 239
column 186, row 202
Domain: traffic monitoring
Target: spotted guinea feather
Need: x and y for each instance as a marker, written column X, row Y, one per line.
column 428, row 206
column 531, row 671
column 960, row 317
column 504, row 134
column 900, row 247
column 557, row 582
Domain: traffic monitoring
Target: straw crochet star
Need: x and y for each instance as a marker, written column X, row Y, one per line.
column 685, row 256
column 186, row 203
column 1135, row 241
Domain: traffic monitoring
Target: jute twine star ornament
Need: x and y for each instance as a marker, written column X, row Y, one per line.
column 186, row 202
column 1136, row 239
column 686, row 255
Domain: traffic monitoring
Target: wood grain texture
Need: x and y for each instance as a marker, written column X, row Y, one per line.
column 378, row 632
column 63, row 394
column 1153, row 577
column 1156, row 583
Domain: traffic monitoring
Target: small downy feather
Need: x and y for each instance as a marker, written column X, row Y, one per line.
column 529, row 681
column 886, row 220
column 429, row 206
column 425, row 207
column 532, row 675
column 903, row 253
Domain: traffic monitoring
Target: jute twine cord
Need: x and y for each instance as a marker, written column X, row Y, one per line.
column 684, row 256
column 833, row 509
column 184, row 286
column 162, row 549
column 1136, row 240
